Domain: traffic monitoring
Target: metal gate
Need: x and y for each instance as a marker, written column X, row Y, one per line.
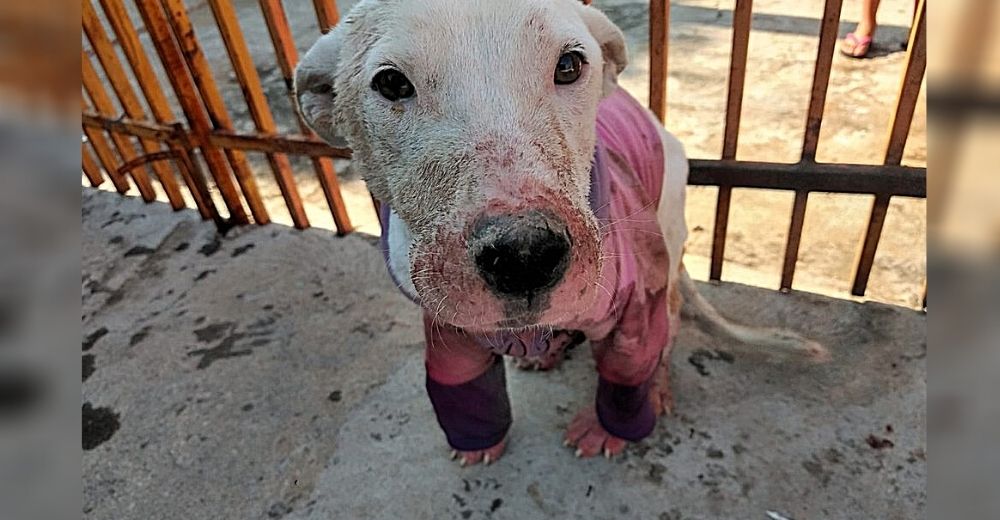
column 170, row 149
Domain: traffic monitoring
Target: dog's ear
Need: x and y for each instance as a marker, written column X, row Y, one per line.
column 315, row 78
column 612, row 42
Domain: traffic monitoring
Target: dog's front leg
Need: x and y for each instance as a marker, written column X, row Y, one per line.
column 625, row 408
column 467, row 387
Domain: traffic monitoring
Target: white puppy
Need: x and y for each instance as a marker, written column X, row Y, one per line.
column 530, row 202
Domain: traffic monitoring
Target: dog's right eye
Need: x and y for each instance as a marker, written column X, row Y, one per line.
column 392, row 85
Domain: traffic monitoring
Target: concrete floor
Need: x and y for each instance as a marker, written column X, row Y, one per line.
column 274, row 373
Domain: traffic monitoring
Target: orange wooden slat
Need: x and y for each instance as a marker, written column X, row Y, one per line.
column 102, row 103
column 122, row 87
column 899, row 128
column 326, row 14
column 260, row 111
column 284, row 47
column 90, row 168
column 187, row 96
column 135, row 54
column 281, row 36
column 205, row 81
column 128, row 41
column 659, row 46
column 107, row 158
column 734, row 109
column 814, row 122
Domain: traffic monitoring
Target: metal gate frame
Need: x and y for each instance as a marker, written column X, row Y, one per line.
column 210, row 129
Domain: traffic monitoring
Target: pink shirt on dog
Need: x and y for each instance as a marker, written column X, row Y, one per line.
column 628, row 326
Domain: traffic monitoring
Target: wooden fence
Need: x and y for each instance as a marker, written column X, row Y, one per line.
column 208, row 139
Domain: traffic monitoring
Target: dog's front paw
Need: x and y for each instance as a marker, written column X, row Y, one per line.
column 487, row 456
column 590, row 438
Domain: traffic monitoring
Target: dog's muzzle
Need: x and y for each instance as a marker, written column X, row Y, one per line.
column 520, row 256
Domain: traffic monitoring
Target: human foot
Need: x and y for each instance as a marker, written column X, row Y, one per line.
column 856, row 44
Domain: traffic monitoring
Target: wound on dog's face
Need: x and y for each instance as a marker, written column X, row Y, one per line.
column 474, row 121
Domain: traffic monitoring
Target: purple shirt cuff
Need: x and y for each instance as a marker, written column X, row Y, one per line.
column 474, row 415
column 625, row 411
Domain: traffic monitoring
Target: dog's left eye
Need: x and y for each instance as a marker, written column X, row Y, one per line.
column 568, row 68
column 392, row 85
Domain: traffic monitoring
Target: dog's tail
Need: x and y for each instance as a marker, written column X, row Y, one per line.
column 772, row 341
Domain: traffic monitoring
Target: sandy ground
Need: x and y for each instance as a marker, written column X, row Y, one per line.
column 781, row 56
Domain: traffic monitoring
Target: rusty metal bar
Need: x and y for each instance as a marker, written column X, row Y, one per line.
column 260, row 111
column 284, row 47
column 102, row 103
column 659, row 45
column 814, row 123
column 90, row 168
column 869, row 179
column 794, row 239
column 135, row 54
column 205, row 81
column 821, row 77
column 742, row 16
column 899, row 128
column 327, row 14
column 122, row 87
column 187, row 96
column 737, row 77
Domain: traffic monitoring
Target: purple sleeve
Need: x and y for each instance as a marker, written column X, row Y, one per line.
column 625, row 411
column 474, row 415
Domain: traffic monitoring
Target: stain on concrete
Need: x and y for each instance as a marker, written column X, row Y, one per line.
column 91, row 339
column 88, row 366
column 278, row 510
column 227, row 337
column 139, row 251
column 212, row 332
column 242, row 249
column 99, row 425
column 211, row 247
column 700, row 356
column 138, row 337
column 879, row 443
column 202, row 275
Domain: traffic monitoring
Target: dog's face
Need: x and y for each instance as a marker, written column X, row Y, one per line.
column 475, row 121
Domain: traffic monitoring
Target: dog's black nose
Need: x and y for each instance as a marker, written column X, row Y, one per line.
column 520, row 255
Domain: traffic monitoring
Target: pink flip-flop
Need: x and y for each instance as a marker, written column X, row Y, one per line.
column 855, row 46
